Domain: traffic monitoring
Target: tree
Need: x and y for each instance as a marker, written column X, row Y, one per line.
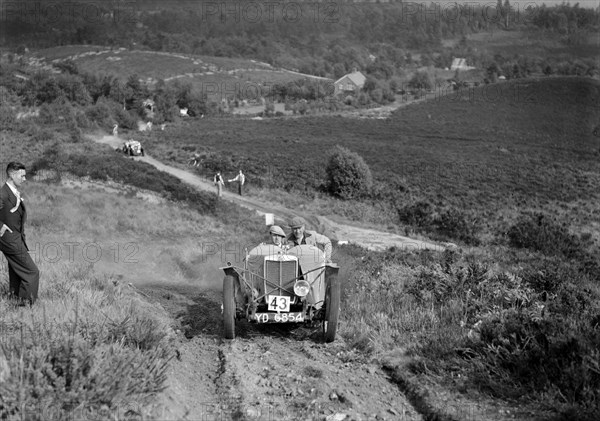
column 492, row 72
column 348, row 176
column 421, row 80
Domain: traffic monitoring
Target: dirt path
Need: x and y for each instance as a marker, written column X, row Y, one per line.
column 278, row 372
column 368, row 238
column 269, row 372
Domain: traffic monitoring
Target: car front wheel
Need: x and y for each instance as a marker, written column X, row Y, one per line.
column 229, row 306
column 332, row 308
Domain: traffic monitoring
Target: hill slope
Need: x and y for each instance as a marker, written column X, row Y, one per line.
column 486, row 150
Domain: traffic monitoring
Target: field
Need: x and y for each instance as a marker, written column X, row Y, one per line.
column 520, row 145
column 163, row 62
column 219, row 77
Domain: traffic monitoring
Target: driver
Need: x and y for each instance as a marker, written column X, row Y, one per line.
column 301, row 236
column 277, row 235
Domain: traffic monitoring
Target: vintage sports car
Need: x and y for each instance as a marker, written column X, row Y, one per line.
column 279, row 285
column 132, row 148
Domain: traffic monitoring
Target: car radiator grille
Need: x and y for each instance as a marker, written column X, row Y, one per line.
column 280, row 274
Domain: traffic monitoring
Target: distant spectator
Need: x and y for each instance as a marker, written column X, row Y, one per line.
column 115, row 130
column 218, row 181
column 241, row 179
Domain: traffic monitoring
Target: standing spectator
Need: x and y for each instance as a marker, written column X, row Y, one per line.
column 241, row 179
column 115, row 130
column 218, row 181
column 23, row 274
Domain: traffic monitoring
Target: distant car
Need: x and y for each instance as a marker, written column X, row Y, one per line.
column 132, row 148
column 278, row 285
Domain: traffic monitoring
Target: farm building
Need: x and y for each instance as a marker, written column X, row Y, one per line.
column 460, row 64
column 350, row 82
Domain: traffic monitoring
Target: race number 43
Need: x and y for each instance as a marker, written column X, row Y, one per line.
column 278, row 303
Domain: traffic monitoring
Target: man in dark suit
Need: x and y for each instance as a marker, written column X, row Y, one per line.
column 23, row 273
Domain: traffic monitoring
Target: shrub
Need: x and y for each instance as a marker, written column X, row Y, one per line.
column 421, row 80
column 540, row 233
column 348, row 176
column 7, row 116
column 418, row 214
column 125, row 119
column 43, row 135
column 92, row 346
column 100, row 113
column 548, row 275
column 455, row 224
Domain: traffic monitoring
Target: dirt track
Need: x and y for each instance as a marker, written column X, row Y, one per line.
column 283, row 372
column 269, row 372
column 368, row 238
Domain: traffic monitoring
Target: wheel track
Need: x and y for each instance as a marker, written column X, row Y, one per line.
column 231, row 398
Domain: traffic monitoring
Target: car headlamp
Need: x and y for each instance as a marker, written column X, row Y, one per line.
column 301, row 288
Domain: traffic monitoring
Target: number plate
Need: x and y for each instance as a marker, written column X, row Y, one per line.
column 279, row 317
column 278, row 303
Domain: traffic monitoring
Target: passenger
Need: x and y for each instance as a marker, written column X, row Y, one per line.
column 301, row 236
column 277, row 235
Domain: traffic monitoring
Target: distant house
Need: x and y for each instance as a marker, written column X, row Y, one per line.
column 460, row 64
column 350, row 82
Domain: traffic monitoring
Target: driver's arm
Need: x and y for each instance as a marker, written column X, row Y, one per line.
column 324, row 242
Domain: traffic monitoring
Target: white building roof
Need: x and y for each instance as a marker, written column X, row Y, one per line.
column 356, row 77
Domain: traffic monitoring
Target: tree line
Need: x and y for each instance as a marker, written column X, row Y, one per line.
column 324, row 39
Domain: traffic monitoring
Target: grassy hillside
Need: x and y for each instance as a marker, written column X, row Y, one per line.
column 515, row 318
column 92, row 345
column 525, row 144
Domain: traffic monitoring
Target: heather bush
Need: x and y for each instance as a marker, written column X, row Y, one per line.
column 532, row 334
column 449, row 223
column 91, row 346
column 419, row 214
column 100, row 113
column 541, row 233
column 7, row 116
column 347, row 174
column 455, row 224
